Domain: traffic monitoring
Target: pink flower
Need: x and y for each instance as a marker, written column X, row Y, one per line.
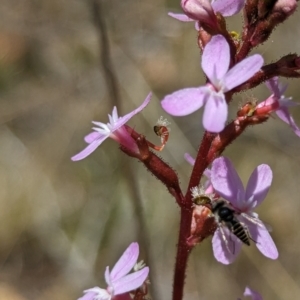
column 204, row 11
column 118, row 280
column 227, row 183
column 215, row 64
column 253, row 294
column 279, row 103
column 115, row 129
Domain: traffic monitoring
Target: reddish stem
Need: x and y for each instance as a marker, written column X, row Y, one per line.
column 183, row 249
column 201, row 163
column 245, row 47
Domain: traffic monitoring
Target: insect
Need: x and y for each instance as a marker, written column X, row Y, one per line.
column 162, row 130
column 226, row 215
column 204, row 200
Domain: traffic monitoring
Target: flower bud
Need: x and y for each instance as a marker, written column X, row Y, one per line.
column 286, row 7
column 265, row 15
column 200, row 10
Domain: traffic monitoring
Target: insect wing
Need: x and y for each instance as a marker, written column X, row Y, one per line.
column 255, row 221
column 226, row 246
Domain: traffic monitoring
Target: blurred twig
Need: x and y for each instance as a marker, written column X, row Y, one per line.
column 106, row 62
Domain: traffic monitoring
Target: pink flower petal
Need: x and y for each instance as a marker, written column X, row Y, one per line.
column 254, row 295
column 130, row 282
column 215, row 59
column 125, row 263
column 207, row 173
column 286, row 117
column 272, row 85
column 123, row 120
column 276, row 87
column 227, row 182
column 243, row 71
column 215, row 113
column 287, row 102
column 228, row 7
column 185, row 101
column 263, row 240
column 95, row 293
column 91, row 137
column 199, row 10
column 88, row 296
column 107, row 276
column 223, row 253
column 89, row 149
column 184, row 18
column 258, row 185
column 180, row 17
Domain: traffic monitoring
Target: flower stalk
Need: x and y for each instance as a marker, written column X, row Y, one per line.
column 228, row 70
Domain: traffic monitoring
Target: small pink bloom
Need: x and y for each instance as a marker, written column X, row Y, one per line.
column 227, row 183
column 215, row 64
column 280, row 104
column 253, row 294
column 115, row 129
column 118, row 280
column 204, row 11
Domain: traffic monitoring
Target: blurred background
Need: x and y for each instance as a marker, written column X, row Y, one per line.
column 63, row 222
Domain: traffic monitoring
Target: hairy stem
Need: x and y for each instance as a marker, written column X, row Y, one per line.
column 183, row 251
column 201, row 163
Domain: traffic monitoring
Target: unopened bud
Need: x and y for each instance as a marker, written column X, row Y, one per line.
column 281, row 11
column 266, row 16
column 286, row 7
